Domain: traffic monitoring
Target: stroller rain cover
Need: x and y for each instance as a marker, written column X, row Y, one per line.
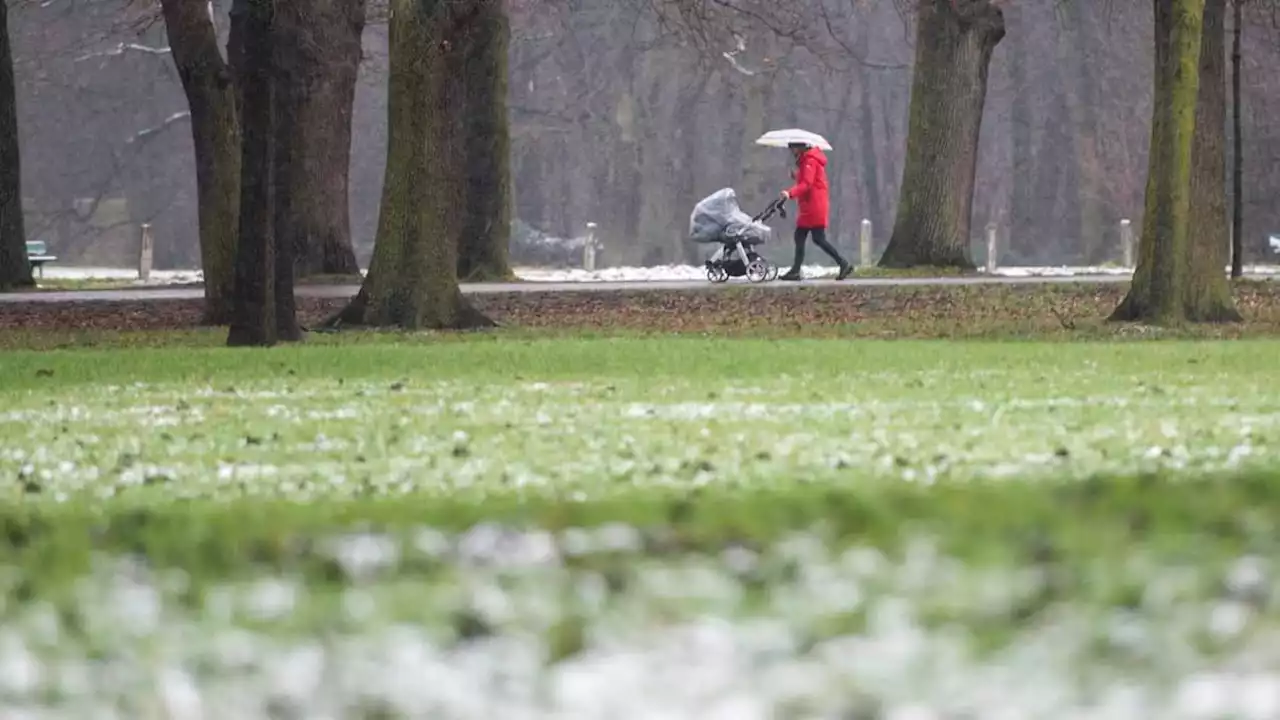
column 718, row 218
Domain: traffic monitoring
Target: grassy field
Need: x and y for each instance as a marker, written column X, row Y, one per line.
column 589, row 527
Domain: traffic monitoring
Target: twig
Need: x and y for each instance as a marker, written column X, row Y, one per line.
column 1069, row 324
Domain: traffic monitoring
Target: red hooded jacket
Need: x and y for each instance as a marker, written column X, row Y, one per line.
column 810, row 190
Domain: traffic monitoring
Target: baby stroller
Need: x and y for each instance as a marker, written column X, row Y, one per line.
column 718, row 219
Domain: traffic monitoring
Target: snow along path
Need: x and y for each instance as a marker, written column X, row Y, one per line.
column 545, row 280
column 344, row 291
column 664, row 273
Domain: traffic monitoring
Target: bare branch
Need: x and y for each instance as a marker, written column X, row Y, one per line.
column 148, row 133
column 123, row 48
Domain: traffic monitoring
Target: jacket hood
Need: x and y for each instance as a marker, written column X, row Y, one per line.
column 814, row 153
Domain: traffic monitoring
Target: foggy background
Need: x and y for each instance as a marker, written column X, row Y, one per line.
column 616, row 121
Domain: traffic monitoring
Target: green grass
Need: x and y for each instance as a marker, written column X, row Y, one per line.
column 199, row 356
column 488, row 422
column 485, row 414
column 1011, row 495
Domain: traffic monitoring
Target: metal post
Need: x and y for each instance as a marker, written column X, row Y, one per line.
column 992, row 240
column 1126, row 242
column 589, row 249
column 864, row 243
column 1231, row 245
column 145, row 253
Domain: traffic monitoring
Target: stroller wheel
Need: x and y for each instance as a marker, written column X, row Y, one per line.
column 758, row 270
column 717, row 274
column 773, row 272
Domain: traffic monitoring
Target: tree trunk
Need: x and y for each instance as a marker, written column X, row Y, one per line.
column 759, row 176
column 868, row 157
column 15, row 268
column 1180, row 275
column 412, row 280
column 1022, row 219
column 291, row 148
column 1237, row 148
column 1208, row 294
column 264, row 307
column 215, row 132
column 954, row 42
column 685, row 173
column 484, row 245
column 318, row 58
column 1076, row 48
column 529, row 186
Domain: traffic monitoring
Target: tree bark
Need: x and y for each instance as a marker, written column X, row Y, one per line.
column 1208, row 294
column 215, row 131
column 263, row 307
column 1022, row 231
column 15, row 267
column 1237, row 147
column 1180, row 277
column 412, row 281
column 1076, row 48
column 759, row 170
column 290, row 151
column 484, row 244
column 954, row 42
column 868, row 157
column 318, row 58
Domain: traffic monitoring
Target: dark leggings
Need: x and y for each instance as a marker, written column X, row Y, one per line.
column 820, row 239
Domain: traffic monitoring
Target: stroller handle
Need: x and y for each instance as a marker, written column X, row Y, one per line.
column 777, row 206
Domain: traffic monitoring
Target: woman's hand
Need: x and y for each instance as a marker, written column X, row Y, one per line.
column 784, row 195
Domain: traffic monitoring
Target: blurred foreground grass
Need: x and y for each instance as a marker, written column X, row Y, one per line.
column 586, row 527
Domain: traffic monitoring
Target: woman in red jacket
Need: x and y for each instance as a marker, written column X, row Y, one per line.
column 810, row 193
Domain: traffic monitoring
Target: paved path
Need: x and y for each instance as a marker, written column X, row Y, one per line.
column 346, row 291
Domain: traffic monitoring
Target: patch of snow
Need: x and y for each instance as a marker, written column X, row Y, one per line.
column 158, row 277
column 658, row 273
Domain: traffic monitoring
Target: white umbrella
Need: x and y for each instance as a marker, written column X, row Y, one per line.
column 783, row 138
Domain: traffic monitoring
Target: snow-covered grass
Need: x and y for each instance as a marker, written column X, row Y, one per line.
column 321, row 438
column 642, row 528
column 661, row 273
column 582, row 624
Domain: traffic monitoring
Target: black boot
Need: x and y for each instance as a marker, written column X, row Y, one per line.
column 820, row 239
column 794, row 273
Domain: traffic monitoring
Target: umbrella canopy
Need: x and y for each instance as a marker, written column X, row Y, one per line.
column 783, row 138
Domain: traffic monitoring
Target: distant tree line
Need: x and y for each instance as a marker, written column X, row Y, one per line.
column 625, row 113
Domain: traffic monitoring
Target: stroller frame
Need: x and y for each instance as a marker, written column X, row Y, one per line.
column 737, row 257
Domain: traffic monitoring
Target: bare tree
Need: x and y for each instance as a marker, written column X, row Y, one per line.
column 15, row 270
column 486, row 231
column 594, row 140
column 1180, row 274
column 264, row 303
column 215, row 131
column 1237, row 145
column 318, row 56
column 954, row 42
column 412, row 281
column 1208, row 295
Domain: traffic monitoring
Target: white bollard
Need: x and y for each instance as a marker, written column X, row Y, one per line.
column 1126, row 242
column 145, row 253
column 589, row 249
column 993, row 237
column 864, row 243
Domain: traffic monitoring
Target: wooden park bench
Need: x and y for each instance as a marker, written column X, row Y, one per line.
column 38, row 255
